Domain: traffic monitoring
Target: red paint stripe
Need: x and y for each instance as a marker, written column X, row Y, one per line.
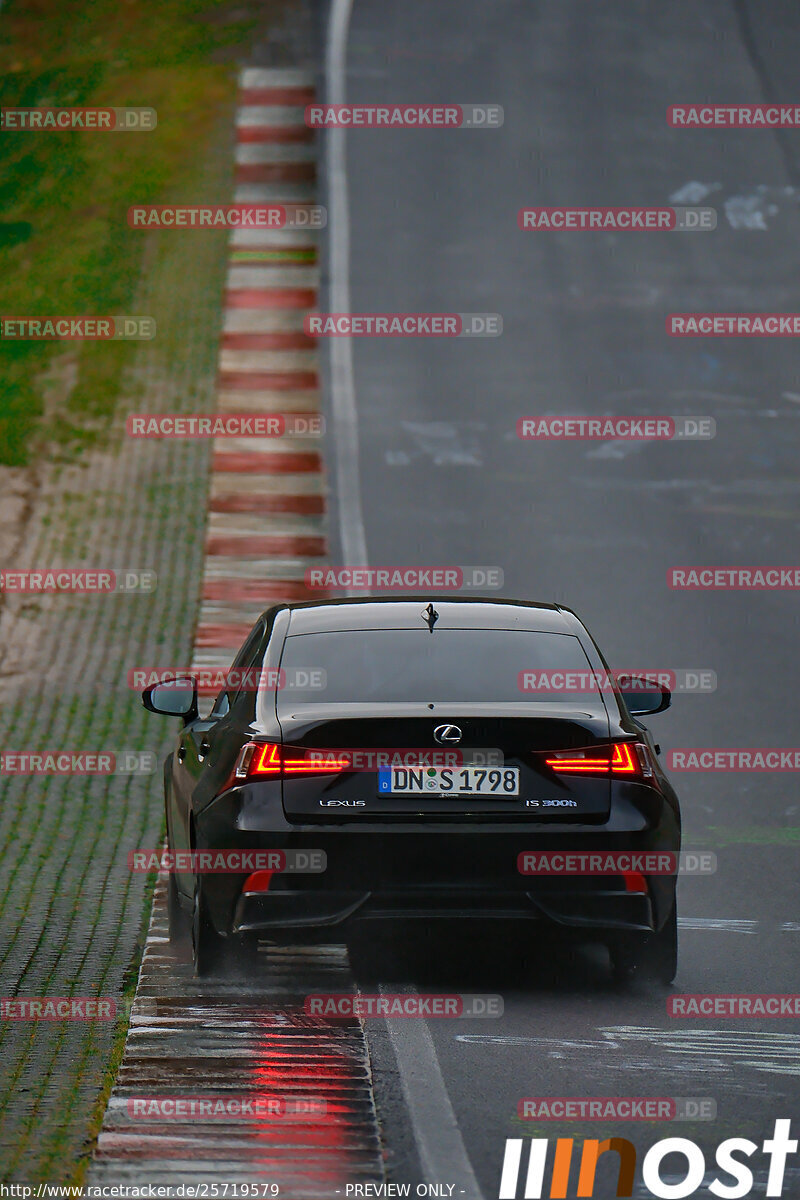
column 271, row 298
column 279, row 381
column 274, row 133
column 267, row 464
column 295, row 97
column 260, row 592
column 268, row 341
column 248, row 502
column 277, row 543
column 284, row 172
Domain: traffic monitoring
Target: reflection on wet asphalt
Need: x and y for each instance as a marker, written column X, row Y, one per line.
column 298, row 1105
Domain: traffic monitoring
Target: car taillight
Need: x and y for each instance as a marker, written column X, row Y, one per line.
column 621, row 758
column 269, row 760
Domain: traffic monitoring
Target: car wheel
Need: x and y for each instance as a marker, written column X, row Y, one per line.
column 208, row 948
column 177, row 918
column 654, row 959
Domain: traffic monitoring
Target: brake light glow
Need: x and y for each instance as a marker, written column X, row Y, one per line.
column 621, row 758
column 269, row 760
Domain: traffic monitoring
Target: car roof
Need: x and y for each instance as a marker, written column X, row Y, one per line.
column 372, row 612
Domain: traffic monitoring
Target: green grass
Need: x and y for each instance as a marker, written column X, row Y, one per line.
column 65, row 246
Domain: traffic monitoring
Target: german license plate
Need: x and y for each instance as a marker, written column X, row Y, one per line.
column 448, row 781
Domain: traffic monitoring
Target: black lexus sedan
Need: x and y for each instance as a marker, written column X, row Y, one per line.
column 410, row 759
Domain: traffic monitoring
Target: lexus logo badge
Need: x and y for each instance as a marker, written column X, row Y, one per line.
column 447, row 735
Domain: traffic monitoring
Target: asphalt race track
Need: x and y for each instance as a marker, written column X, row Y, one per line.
column 444, row 479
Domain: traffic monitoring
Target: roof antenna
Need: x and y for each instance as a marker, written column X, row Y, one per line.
column 430, row 617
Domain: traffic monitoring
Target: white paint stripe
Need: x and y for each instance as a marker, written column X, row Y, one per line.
column 264, row 320
column 225, row 612
column 713, row 924
column 275, row 193
column 257, row 153
column 274, row 238
column 274, row 77
column 268, row 360
column 221, row 567
column 263, row 401
column 442, row 1153
column 270, row 524
column 343, row 400
column 440, row 1146
column 269, row 116
column 304, row 483
column 273, row 445
column 268, row 276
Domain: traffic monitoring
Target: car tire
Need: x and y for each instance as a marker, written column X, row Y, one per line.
column 178, row 923
column 653, row 959
column 208, row 947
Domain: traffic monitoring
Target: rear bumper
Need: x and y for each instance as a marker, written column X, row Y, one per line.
column 434, row 871
column 281, row 914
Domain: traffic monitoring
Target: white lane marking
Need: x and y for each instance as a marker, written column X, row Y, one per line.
column 693, row 192
column 343, row 398
column 688, row 1050
column 727, row 925
column 616, row 448
column 749, row 212
column 446, row 443
column 441, row 1148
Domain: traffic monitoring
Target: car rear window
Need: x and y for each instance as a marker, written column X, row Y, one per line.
column 446, row 666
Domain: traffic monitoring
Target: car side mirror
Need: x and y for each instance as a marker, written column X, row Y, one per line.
column 173, row 698
column 643, row 696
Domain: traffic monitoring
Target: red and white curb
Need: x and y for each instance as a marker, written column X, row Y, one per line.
column 248, row 1038
column 266, row 521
